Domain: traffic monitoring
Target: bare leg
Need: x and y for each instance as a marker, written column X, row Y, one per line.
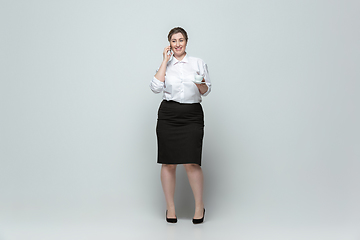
column 196, row 181
column 168, row 179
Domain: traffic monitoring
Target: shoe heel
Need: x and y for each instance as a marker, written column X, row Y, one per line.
column 201, row 220
column 170, row 220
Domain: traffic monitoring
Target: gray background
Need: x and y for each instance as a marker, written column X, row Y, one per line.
column 77, row 119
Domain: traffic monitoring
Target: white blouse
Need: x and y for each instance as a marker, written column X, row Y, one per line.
column 179, row 85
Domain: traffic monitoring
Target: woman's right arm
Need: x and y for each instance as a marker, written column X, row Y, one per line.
column 160, row 74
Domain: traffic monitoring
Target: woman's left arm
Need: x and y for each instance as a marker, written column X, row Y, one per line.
column 203, row 88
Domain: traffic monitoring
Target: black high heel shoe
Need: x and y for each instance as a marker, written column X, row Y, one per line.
column 197, row 221
column 171, row 220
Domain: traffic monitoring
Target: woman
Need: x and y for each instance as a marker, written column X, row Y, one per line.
column 180, row 125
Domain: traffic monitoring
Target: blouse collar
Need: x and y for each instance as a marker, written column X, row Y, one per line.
column 184, row 60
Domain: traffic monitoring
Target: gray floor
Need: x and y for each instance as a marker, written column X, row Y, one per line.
column 115, row 223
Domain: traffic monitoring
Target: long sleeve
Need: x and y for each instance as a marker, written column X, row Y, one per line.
column 205, row 72
column 156, row 85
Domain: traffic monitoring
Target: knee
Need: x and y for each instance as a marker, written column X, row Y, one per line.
column 191, row 166
column 169, row 167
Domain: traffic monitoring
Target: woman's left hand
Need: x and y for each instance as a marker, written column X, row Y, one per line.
column 202, row 86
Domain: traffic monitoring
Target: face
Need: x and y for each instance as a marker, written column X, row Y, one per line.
column 178, row 44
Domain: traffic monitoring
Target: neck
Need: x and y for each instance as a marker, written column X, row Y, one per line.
column 180, row 57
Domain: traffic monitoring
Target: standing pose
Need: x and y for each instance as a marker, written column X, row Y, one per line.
column 180, row 127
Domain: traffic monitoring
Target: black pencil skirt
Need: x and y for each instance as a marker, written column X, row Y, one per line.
column 180, row 132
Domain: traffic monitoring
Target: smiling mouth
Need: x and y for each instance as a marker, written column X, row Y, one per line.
column 178, row 49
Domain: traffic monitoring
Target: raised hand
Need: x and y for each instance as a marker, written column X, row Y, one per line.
column 167, row 53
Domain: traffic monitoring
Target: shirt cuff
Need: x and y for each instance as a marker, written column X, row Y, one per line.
column 209, row 89
column 156, row 85
column 157, row 81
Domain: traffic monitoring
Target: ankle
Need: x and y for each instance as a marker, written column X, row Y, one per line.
column 199, row 205
column 170, row 208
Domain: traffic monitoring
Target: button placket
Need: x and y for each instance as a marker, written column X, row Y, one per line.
column 182, row 81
